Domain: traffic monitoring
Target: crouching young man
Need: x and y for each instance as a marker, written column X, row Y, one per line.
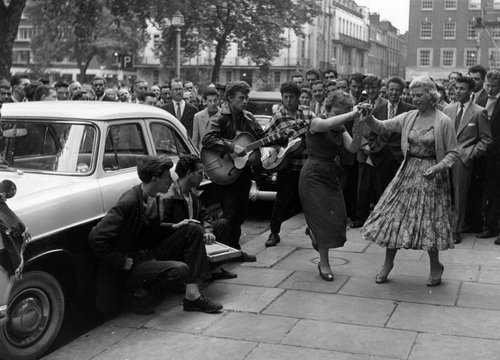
column 138, row 255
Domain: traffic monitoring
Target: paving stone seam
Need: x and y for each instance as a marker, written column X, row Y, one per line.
column 396, row 305
column 113, row 344
column 430, row 332
column 459, row 292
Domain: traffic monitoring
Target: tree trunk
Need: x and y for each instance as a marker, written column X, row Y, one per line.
column 220, row 50
column 10, row 18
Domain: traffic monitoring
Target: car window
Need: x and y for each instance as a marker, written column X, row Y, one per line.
column 48, row 146
column 167, row 141
column 124, row 146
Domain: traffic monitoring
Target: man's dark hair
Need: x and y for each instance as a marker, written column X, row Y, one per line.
column 371, row 80
column 96, row 78
column 297, row 75
column 235, row 86
column 143, row 97
column 153, row 166
column 467, row 80
column 44, row 81
column 316, row 82
column 455, row 72
column 358, row 77
column 4, row 84
column 305, row 89
column 220, row 86
column 61, row 83
column 16, row 79
column 164, row 86
column 315, row 72
column 290, row 88
column 42, row 91
column 478, row 69
column 397, row 80
column 331, row 71
column 209, row 92
column 31, row 89
column 330, row 83
column 185, row 164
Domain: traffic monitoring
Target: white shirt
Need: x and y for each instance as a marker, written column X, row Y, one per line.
column 182, row 103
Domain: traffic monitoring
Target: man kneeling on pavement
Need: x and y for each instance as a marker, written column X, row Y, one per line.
column 139, row 256
column 182, row 204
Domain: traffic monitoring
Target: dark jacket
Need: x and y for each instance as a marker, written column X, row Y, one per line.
column 187, row 115
column 382, row 145
column 227, row 126
column 174, row 209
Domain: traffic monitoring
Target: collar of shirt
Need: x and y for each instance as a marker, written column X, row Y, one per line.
column 389, row 104
column 466, row 106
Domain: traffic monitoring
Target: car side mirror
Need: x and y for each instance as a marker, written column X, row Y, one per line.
column 7, row 189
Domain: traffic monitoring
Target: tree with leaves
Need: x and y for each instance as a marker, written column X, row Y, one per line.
column 85, row 29
column 10, row 17
column 257, row 25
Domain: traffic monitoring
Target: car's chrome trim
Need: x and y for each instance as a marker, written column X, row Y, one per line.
column 3, row 314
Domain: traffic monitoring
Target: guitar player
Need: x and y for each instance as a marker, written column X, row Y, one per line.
column 287, row 201
column 235, row 119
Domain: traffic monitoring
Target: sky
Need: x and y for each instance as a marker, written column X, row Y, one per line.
column 396, row 11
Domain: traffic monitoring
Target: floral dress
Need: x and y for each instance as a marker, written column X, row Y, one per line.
column 414, row 212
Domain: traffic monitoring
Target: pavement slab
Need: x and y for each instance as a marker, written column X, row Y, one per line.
column 310, row 281
column 258, row 276
column 161, row 345
column 479, row 296
column 252, row 327
column 432, row 346
column 446, row 320
column 331, row 307
column 91, row 344
column 352, row 338
column 241, row 297
column 184, row 321
column 270, row 256
column 403, row 288
column 470, row 257
column 285, row 352
column 489, row 275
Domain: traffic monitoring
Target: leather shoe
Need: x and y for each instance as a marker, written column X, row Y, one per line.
column 247, row 257
column 202, row 304
column 497, row 241
column 223, row 274
column 273, row 240
column 457, row 238
column 487, row 234
column 326, row 277
column 356, row 224
column 436, row 282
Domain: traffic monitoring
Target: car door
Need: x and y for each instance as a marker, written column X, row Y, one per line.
column 123, row 143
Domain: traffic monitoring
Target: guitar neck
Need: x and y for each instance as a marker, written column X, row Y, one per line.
column 262, row 142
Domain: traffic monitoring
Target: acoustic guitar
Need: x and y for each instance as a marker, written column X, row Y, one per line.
column 279, row 157
column 224, row 168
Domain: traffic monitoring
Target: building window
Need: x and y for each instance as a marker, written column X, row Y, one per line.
column 426, row 30
column 448, row 57
column 471, row 31
column 424, row 57
column 277, row 77
column 495, row 32
column 24, row 34
column 229, row 76
column 449, row 30
column 427, row 4
column 494, row 58
column 496, row 4
column 474, row 4
column 450, row 4
column 471, row 57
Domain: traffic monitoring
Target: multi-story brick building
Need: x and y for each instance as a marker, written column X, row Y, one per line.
column 444, row 36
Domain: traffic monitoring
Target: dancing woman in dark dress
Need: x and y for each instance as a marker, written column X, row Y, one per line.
column 319, row 189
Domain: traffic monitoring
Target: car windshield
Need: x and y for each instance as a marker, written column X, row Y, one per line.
column 48, row 146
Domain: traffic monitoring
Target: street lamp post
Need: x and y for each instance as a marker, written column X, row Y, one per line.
column 177, row 23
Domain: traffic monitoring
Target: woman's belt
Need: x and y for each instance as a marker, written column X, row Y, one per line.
column 429, row 157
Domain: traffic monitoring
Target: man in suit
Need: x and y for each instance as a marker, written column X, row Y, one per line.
column 182, row 110
column 318, row 103
column 492, row 158
column 366, row 186
column 478, row 74
column 385, row 149
column 202, row 119
column 473, row 136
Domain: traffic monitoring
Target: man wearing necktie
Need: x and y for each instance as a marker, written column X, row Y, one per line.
column 492, row 159
column 385, row 149
column 478, row 74
column 473, row 137
column 182, row 110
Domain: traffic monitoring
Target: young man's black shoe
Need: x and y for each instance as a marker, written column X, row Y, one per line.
column 273, row 240
column 201, row 304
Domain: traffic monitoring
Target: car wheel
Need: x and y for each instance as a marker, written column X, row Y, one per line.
column 36, row 311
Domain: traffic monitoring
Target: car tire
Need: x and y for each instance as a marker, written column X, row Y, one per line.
column 36, row 312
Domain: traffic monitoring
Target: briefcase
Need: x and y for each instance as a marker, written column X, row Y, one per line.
column 217, row 252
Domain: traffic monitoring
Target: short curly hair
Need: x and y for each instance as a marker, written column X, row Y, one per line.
column 185, row 164
column 233, row 87
column 428, row 85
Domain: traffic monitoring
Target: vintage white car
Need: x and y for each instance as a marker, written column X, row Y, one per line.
column 70, row 161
